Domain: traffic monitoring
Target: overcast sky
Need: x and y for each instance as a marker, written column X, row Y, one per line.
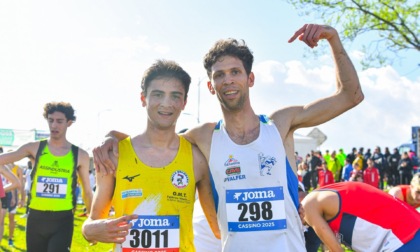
column 93, row 53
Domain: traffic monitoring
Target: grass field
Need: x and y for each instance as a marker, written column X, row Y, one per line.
column 79, row 244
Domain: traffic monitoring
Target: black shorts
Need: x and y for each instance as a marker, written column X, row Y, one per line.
column 6, row 202
column 49, row 231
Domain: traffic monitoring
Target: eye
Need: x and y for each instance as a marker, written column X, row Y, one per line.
column 176, row 96
column 218, row 75
column 235, row 72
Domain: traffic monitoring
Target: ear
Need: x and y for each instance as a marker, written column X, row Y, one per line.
column 210, row 87
column 251, row 79
column 143, row 99
column 69, row 123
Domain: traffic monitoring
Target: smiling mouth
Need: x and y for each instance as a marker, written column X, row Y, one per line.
column 165, row 113
column 230, row 92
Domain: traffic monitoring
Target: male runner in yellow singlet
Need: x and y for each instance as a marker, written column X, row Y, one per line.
column 153, row 189
column 58, row 163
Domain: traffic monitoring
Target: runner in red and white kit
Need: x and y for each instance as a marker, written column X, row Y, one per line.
column 361, row 217
column 408, row 193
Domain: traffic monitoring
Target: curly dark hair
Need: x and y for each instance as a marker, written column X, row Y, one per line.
column 63, row 107
column 165, row 69
column 229, row 47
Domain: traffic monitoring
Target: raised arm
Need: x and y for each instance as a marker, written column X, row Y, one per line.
column 348, row 92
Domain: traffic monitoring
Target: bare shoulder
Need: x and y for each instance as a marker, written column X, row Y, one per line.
column 83, row 155
column 319, row 197
column 28, row 149
column 197, row 134
column 395, row 191
column 284, row 119
column 83, row 158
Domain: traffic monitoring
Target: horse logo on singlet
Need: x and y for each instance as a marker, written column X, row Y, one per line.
column 266, row 164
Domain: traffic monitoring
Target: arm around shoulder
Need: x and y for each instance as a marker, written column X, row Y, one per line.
column 205, row 195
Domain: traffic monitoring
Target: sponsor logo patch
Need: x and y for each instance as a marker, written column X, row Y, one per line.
column 233, row 169
column 133, row 193
column 179, row 179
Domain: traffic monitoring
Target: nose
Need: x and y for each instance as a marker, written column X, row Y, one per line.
column 166, row 101
column 53, row 123
column 228, row 79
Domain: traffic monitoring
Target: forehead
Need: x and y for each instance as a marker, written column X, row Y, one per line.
column 166, row 84
column 57, row 115
column 226, row 62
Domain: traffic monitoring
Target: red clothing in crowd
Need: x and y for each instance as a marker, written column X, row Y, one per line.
column 325, row 177
column 371, row 176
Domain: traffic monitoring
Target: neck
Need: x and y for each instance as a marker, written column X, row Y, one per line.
column 60, row 142
column 160, row 138
column 242, row 128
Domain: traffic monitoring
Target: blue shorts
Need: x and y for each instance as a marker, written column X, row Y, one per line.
column 412, row 245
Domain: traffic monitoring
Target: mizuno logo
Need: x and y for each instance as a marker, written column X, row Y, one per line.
column 130, row 179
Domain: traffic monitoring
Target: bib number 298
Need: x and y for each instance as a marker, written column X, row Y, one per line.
column 256, row 211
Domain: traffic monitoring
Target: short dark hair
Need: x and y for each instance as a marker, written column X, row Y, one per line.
column 229, row 47
column 165, row 69
column 63, row 107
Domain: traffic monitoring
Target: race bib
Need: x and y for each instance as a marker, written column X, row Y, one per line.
column 50, row 187
column 258, row 209
column 153, row 233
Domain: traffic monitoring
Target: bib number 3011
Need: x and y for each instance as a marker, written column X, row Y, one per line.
column 153, row 233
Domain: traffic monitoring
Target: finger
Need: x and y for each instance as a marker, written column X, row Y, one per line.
column 319, row 34
column 119, row 240
column 97, row 155
column 119, row 234
column 308, row 34
column 297, row 33
column 115, row 148
column 126, row 221
column 312, row 38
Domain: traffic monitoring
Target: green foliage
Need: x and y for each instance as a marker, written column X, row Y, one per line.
column 395, row 22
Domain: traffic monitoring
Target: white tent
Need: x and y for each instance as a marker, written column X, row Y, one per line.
column 304, row 144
